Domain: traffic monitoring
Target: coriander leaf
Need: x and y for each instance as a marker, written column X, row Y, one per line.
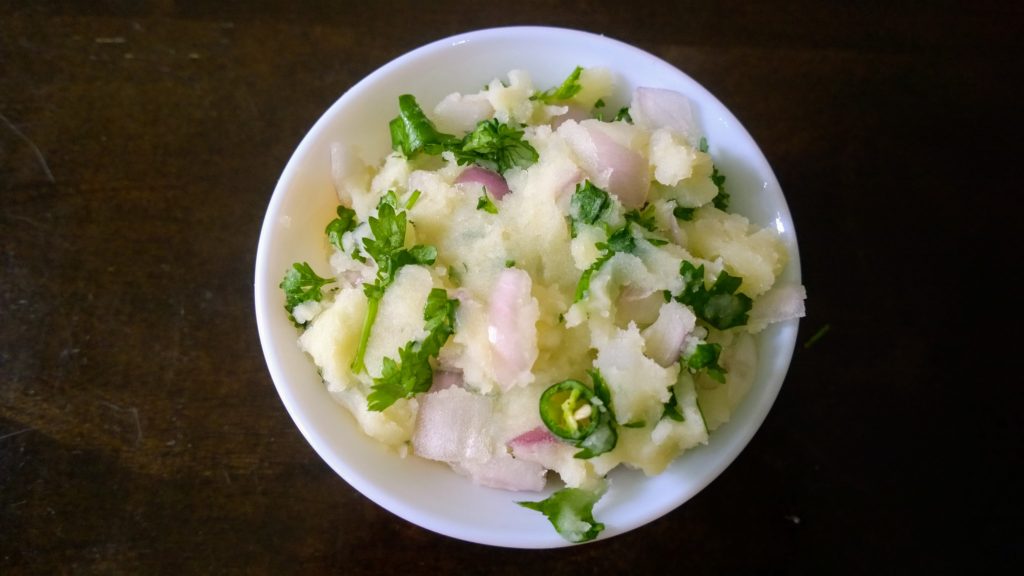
column 725, row 311
column 587, row 205
column 569, row 88
column 621, row 240
column 439, row 318
column 486, row 204
column 705, row 357
column 623, row 115
column 387, row 248
column 496, row 146
column 570, row 511
column 454, row 275
column 672, row 410
column 720, row 306
column 644, row 217
column 721, row 200
column 412, row 199
column 301, row 284
column 400, row 379
column 412, row 132
column 412, row 373
column 345, row 222
column 389, row 197
column 388, row 233
column 683, row 213
column 583, row 286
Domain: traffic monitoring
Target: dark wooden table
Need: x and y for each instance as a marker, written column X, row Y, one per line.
column 140, row 431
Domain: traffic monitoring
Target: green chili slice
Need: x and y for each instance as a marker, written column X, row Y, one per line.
column 567, row 409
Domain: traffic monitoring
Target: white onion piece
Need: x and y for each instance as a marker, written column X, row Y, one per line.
column 492, row 181
column 444, row 379
column 452, row 426
column 505, row 473
column 512, row 328
column 783, row 302
column 572, row 112
column 349, row 173
column 538, row 435
column 628, row 174
column 458, row 113
column 539, row 446
column 663, row 340
column 608, row 164
column 654, row 108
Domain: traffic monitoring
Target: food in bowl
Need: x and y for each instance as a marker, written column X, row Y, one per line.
column 537, row 283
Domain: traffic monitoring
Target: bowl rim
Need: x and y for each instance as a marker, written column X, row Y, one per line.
column 264, row 286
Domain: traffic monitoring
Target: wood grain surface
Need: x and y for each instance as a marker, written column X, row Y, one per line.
column 140, row 432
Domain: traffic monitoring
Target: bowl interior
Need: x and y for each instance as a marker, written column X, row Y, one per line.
column 426, row 493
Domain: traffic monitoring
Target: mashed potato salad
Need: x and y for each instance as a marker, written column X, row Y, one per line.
column 532, row 282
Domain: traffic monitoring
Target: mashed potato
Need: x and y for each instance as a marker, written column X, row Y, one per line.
column 592, row 246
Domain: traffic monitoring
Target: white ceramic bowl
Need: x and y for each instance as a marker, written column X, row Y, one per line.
column 426, row 493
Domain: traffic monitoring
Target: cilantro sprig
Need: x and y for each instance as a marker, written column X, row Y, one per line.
column 495, row 146
column 412, row 372
column 486, row 204
column 721, row 200
column 720, row 305
column 345, row 222
column 301, row 284
column 492, row 144
column 387, row 248
column 566, row 90
column 705, row 357
column 587, row 205
column 571, row 512
column 412, row 132
column 621, row 240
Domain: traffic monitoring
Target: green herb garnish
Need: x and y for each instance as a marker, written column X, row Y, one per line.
column 643, row 217
column 569, row 88
column 672, row 410
column 387, row 248
column 621, row 240
column 721, row 200
column 571, row 512
column 301, row 284
column 587, row 205
column 495, row 146
column 486, row 204
column 705, row 357
column 683, row 213
column 412, row 373
column 345, row 222
column 720, row 305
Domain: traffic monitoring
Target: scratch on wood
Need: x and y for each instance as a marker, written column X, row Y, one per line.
column 135, row 417
column 16, row 433
column 32, row 145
